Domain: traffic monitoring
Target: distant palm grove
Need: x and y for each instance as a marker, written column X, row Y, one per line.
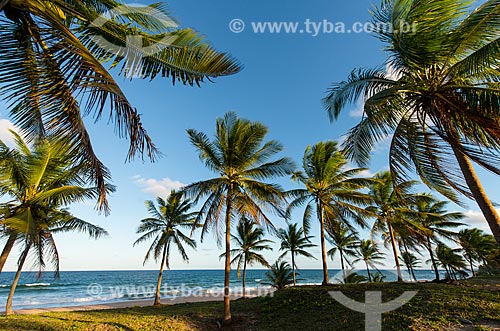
column 440, row 107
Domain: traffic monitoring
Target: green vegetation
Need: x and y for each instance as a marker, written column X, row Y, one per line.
column 163, row 227
column 52, row 69
column 249, row 240
column 241, row 159
column 435, row 307
column 42, row 182
column 438, row 101
column 331, row 191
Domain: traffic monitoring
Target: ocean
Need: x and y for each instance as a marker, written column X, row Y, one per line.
column 75, row 288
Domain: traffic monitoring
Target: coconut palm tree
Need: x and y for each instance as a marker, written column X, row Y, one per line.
column 450, row 259
column 392, row 217
column 249, row 240
column 36, row 182
column 40, row 182
column 345, row 241
column 54, row 61
column 432, row 215
column 294, row 241
column 331, row 190
column 242, row 161
column 370, row 255
column 476, row 246
column 438, row 102
column 411, row 261
column 163, row 228
column 280, row 275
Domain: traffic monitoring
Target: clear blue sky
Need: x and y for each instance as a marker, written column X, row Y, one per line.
column 284, row 79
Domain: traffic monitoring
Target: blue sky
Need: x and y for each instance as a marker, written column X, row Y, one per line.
column 284, row 79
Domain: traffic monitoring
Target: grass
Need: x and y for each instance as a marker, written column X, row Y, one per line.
column 435, row 307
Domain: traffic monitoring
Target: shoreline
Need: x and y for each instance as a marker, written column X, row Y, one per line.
column 131, row 304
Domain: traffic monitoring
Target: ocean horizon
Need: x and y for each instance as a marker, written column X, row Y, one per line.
column 77, row 288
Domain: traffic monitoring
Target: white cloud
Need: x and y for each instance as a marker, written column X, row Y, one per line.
column 155, row 187
column 5, row 135
column 358, row 110
column 474, row 218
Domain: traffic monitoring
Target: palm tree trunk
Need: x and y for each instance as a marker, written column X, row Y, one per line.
column 160, row 276
column 6, row 250
column 323, row 245
column 244, row 275
column 368, row 271
column 433, row 260
column 475, row 186
column 227, row 266
column 410, row 267
column 8, row 307
column 293, row 269
column 395, row 252
column 472, row 267
column 342, row 264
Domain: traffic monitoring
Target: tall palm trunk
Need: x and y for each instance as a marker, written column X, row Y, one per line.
column 227, row 267
column 293, row 269
column 433, row 259
column 6, row 249
column 8, row 307
column 368, row 271
column 475, row 186
column 323, row 244
column 395, row 252
column 160, row 276
column 244, row 275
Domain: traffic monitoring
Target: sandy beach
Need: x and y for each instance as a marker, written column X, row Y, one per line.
column 129, row 304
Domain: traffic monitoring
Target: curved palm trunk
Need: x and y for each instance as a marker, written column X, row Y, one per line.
column 160, row 276
column 227, row 267
column 6, row 250
column 474, row 184
column 244, row 276
column 293, row 269
column 433, row 260
column 368, row 271
column 395, row 252
column 323, row 245
column 8, row 307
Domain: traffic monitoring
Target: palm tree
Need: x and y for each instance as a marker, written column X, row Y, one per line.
column 163, row 228
column 59, row 183
column 280, row 275
column 294, row 241
column 330, row 189
column 450, row 259
column 438, row 103
column 370, row 255
column 391, row 215
column 249, row 241
column 344, row 241
column 437, row 222
column 411, row 262
column 476, row 246
column 240, row 158
column 40, row 183
column 52, row 65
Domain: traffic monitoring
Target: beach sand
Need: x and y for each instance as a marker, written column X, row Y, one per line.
column 131, row 304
